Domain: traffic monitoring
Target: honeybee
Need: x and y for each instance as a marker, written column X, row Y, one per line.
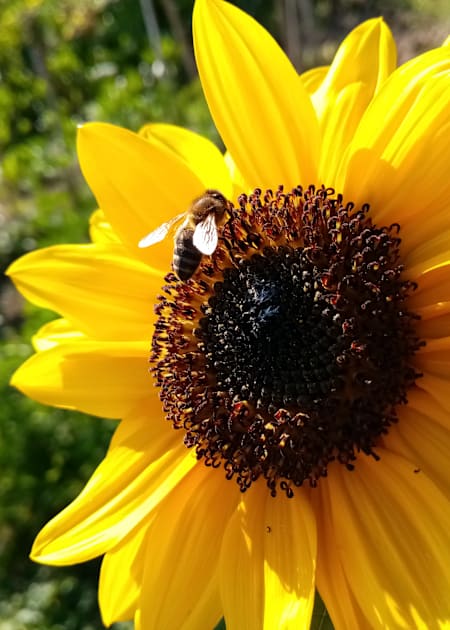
column 196, row 236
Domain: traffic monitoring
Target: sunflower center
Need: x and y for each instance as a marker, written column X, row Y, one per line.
column 292, row 345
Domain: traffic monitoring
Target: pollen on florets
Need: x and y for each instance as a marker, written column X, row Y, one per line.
column 292, row 346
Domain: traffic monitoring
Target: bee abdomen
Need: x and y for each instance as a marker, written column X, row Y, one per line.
column 186, row 257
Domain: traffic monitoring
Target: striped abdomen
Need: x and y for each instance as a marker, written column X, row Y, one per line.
column 186, row 257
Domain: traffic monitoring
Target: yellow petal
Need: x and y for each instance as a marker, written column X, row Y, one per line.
column 290, row 547
column 97, row 377
column 429, row 253
column 199, row 153
column 100, row 289
column 242, row 563
column 238, row 184
column 255, row 96
column 146, row 460
column 426, row 404
column 434, row 357
column 100, row 230
column 55, row 333
column 434, row 322
column 425, row 254
column 434, row 347
column 180, row 585
column 367, row 56
column 120, row 581
column 433, row 288
column 137, row 183
column 423, row 442
column 137, row 621
column 398, row 158
column 331, row 580
column 364, row 60
column 391, row 527
column 267, row 562
column 312, row 78
column 438, row 387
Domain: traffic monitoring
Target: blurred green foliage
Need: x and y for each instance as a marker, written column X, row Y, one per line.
column 63, row 62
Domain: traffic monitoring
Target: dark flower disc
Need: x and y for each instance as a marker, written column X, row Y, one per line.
column 292, row 345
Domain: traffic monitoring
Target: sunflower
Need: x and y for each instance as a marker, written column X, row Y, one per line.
column 304, row 362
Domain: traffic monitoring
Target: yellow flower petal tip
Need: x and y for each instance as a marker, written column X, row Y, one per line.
column 52, row 559
column 101, row 131
column 39, row 555
column 299, row 343
column 231, row 45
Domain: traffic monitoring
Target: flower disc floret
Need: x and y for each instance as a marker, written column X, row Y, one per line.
column 292, row 346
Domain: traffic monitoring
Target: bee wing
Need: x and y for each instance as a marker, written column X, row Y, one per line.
column 160, row 232
column 205, row 237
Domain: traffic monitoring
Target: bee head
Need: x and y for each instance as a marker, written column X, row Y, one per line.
column 215, row 194
column 212, row 201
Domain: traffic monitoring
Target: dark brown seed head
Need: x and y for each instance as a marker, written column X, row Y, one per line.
column 293, row 345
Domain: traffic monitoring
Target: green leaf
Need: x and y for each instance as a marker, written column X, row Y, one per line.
column 320, row 617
